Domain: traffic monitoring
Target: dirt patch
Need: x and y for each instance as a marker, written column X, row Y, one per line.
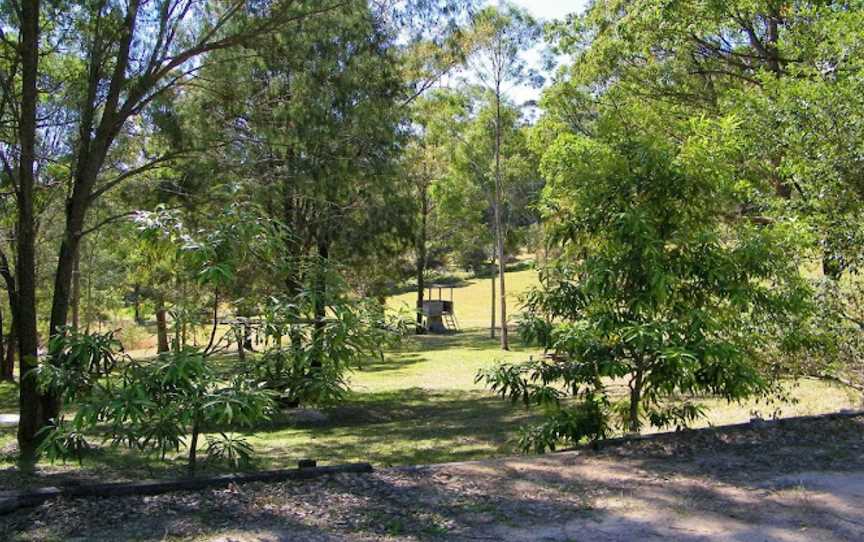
column 795, row 481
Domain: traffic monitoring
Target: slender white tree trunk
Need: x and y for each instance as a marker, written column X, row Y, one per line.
column 499, row 227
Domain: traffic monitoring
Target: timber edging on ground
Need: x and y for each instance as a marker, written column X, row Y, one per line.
column 13, row 500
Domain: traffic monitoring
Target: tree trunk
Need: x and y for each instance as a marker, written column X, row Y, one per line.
column 320, row 302
column 635, row 398
column 212, row 340
column 66, row 259
column 136, row 303
column 175, row 344
column 7, row 363
column 161, row 326
column 7, row 346
column 9, row 358
column 421, row 256
column 76, row 291
column 32, row 415
column 92, row 148
column 62, row 298
column 494, row 301
column 499, row 228
column 193, row 447
column 247, row 337
column 3, row 370
column 241, row 344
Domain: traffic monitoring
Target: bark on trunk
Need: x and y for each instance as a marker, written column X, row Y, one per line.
column 31, row 410
column 421, row 256
column 494, row 278
column 635, row 399
column 193, row 447
column 7, row 364
column 9, row 356
column 3, row 368
column 136, row 303
column 161, row 326
column 62, row 298
column 212, row 340
column 499, row 227
column 241, row 344
column 76, row 291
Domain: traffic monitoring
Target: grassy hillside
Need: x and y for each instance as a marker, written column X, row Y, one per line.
column 472, row 297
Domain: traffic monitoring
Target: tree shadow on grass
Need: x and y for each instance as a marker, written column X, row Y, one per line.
column 401, row 427
column 470, row 339
column 392, row 362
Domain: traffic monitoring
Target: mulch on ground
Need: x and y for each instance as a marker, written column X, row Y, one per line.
column 801, row 480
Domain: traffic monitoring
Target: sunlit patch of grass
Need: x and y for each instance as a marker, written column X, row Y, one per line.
column 807, row 396
column 8, row 397
column 472, row 297
column 436, row 362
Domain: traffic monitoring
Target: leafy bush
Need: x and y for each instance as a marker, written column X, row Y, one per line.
column 291, row 375
column 229, row 449
column 587, row 420
column 163, row 406
column 78, row 361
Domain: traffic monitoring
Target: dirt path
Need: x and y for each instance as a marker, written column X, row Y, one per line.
column 800, row 481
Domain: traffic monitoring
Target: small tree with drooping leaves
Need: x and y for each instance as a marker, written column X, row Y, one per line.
column 160, row 406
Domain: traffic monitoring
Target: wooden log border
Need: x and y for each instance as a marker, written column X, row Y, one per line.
column 14, row 500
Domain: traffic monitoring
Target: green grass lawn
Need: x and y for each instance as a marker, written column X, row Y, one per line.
column 419, row 404
column 436, row 362
column 8, row 397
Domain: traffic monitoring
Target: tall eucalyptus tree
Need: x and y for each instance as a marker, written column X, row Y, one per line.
column 501, row 36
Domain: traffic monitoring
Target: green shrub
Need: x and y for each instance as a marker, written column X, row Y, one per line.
column 163, row 406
